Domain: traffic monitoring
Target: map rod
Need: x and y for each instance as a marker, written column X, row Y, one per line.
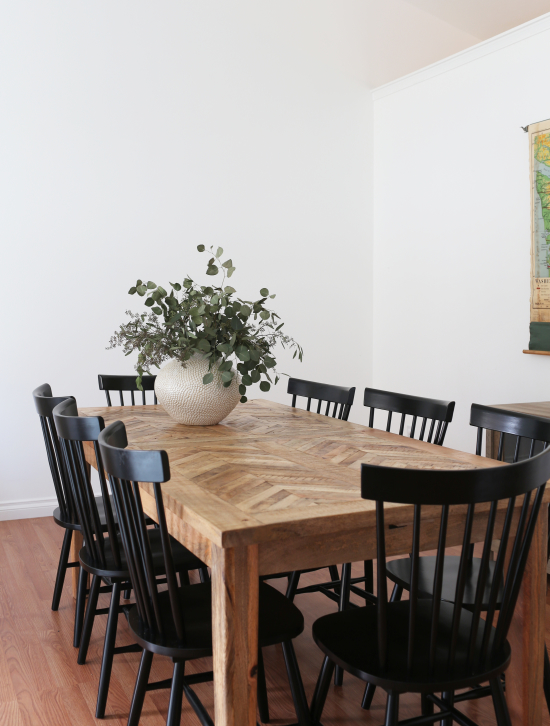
column 526, row 128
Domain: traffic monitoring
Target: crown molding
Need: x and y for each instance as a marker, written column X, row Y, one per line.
column 486, row 47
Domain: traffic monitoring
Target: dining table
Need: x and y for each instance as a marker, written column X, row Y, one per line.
column 273, row 489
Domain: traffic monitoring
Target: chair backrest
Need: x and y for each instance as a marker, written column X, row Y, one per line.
column 323, row 392
column 72, row 430
column 521, row 426
column 443, row 489
column 126, row 383
column 45, row 403
column 125, row 469
column 439, row 412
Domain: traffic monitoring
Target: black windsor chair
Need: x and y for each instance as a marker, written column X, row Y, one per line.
column 527, row 436
column 126, row 383
column 342, row 400
column 439, row 414
column 430, row 646
column 102, row 556
column 177, row 623
column 66, row 514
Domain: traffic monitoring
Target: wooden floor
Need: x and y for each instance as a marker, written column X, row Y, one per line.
column 41, row 683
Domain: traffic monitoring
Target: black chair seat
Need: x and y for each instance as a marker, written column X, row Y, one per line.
column 69, row 522
column 183, row 558
column 400, row 572
column 350, row 639
column 279, row 621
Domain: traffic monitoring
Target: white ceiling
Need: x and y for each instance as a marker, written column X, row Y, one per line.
column 484, row 18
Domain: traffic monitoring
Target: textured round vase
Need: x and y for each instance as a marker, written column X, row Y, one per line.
column 188, row 400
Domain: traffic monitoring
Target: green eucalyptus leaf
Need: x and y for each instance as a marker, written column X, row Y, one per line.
column 255, row 376
column 141, row 290
column 197, row 320
column 149, row 302
column 254, row 354
column 219, row 252
column 242, row 389
column 244, row 399
column 237, row 324
column 272, row 297
column 212, row 270
column 265, row 386
column 138, row 283
column 269, row 362
column 230, row 271
column 162, row 291
column 208, row 378
column 214, row 300
column 132, row 291
column 264, row 315
column 200, row 248
column 229, row 290
column 227, row 263
column 151, row 285
column 245, row 311
column 242, row 353
column 247, row 380
column 176, row 286
column 208, row 290
column 187, row 283
column 225, row 348
column 227, row 376
column 226, row 384
column 157, row 311
column 230, row 311
column 264, row 292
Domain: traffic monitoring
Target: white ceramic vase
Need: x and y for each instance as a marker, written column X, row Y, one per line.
column 186, row 399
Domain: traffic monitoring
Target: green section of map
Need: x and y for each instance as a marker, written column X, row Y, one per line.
column 543, row 190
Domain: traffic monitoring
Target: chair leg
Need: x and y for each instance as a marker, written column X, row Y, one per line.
column 499, row 702
column 176, row 695
column 369, row 575
column 89, row 619
column 108, row 651
column 140, row 688
column 448, row 697
column 203, row 574
column 396, row 593
column 343, row 605
column 368, row 695
column 127, row 593
column 263, row 705
column 184, row 578
column 392, row 709
column 546, row 679
column 334, row 575
column 62, row 568
column 293, row 581
column 321, row 690
column 80, row 606
column 296, row 685
column 427, row 705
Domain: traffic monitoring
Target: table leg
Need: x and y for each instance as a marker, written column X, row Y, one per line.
column 235, row 586
column 76, row 546
column 524, row 692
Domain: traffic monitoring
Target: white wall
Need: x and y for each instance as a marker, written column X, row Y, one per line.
column 130, row 132
column 452, row 227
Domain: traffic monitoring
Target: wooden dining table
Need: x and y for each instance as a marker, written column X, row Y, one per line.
column 274, row 488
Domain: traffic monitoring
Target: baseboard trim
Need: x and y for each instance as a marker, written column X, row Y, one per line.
column 27, row 508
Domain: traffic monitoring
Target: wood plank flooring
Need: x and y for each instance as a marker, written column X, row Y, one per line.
column 42, row 685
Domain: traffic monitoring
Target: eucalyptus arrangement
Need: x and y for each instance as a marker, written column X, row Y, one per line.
column 210, row 321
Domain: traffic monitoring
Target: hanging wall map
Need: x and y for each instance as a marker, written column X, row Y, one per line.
column 539, row 152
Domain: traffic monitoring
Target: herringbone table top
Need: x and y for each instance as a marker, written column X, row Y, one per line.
column 268, row 466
